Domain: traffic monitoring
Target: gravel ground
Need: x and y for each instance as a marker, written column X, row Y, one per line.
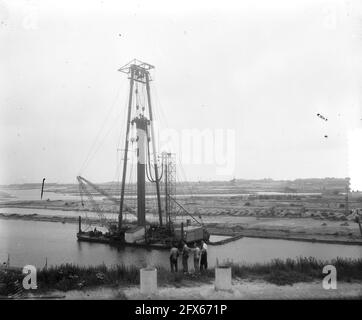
column 241, row 289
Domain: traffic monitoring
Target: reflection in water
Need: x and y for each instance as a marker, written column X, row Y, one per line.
column 31, row 242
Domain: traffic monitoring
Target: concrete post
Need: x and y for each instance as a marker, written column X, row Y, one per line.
column 148, row 280
column 223, row 278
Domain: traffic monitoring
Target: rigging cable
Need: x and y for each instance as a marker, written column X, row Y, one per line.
column 91, row 150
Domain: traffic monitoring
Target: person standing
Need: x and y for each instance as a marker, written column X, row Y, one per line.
column 203, row 260
column 173, row 258
column 197, row 253
column 185, row 257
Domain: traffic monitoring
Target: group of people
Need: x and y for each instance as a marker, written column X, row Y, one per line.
column 199, row 252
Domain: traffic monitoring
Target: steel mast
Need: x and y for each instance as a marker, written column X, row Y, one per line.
column 138, row 71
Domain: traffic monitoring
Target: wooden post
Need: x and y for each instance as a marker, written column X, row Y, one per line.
column 79, row 224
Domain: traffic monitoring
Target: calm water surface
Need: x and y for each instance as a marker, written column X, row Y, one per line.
column 31, row 242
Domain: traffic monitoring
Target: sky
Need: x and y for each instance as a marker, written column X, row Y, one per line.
column 248, row 77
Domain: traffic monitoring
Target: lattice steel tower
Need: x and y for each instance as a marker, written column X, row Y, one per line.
column 169, row 187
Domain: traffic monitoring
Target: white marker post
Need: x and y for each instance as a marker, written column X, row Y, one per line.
column 223, row 278
column 148, row 280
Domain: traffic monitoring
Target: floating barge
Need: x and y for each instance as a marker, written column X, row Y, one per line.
column 149, row 237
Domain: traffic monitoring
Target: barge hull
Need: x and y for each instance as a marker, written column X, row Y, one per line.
column 120, row 243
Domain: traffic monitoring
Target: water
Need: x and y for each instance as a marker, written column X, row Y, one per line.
column 31, row 242
column 34, row 195
column 45, row 212
column 73, row 214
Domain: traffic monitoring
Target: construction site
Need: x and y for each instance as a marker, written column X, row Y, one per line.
column 221, row 162
column 157, row 168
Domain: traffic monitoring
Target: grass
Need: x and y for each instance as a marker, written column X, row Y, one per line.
column 289, row 271
column 281, row 272
column 68, row 276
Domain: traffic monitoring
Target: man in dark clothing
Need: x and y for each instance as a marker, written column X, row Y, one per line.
column 173, row 258
column 203, row 260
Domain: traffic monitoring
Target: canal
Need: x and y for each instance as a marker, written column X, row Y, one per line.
column 32, row 242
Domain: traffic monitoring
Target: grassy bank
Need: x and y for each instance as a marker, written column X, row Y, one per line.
column 284, row 272
column 281, row 272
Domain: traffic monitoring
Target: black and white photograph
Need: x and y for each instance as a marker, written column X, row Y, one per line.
column 180, row 151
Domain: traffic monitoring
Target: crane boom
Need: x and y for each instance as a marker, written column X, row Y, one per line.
column 101, row 215
column 83, row 183
column 184, row 210
column 102, row 192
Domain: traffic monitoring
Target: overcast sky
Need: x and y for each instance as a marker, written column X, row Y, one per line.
column 261, row 70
